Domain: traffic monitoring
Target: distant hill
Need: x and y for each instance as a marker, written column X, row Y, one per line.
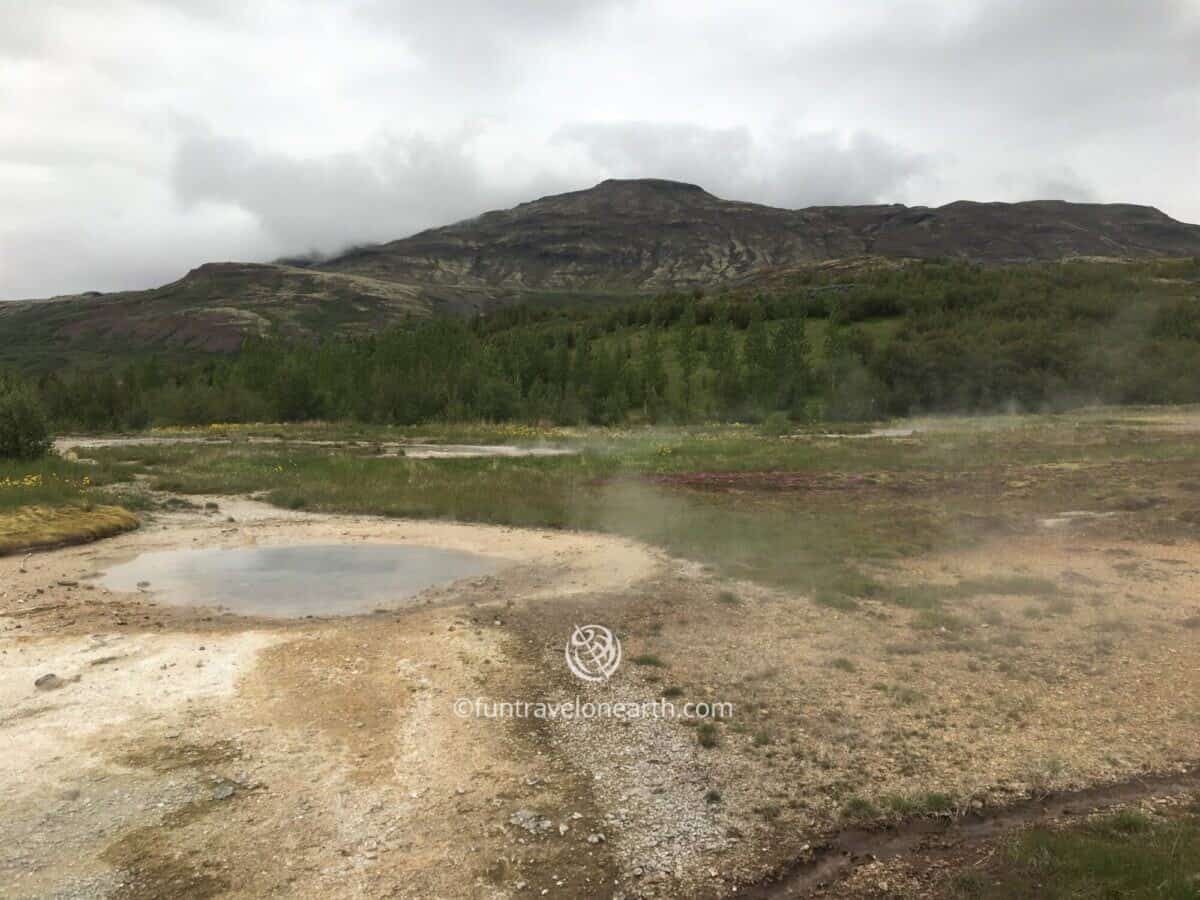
column 650, row 235
column 619, row 237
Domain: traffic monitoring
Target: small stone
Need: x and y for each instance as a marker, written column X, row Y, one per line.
column 530, row 821
column 223, row 791
column 596, row 838
column 49, row 682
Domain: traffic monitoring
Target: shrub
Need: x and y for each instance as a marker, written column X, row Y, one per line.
column 707, row 735
column 23, row 431
column 648, row 659
column 777, row 424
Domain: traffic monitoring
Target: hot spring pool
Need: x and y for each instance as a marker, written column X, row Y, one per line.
column 295, row 581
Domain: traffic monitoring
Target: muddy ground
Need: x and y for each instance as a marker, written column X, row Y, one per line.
column 190, row 752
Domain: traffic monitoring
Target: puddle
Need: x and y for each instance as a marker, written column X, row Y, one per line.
column 295, row 581
column 409, row 450
column 873, row 433
column 1072, row 516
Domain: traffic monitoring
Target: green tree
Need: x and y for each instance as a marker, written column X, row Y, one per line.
column 654, row 372
column 757, row 353
column 723, row 359
column 23, row 430
column 687, row 354
column 790, row 361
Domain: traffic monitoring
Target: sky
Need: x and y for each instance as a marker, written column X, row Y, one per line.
column 141, row 138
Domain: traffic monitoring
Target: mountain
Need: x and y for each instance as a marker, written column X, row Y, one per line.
column 619, row 237
column 651, row 235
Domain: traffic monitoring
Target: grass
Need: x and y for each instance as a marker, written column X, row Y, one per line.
column 819, row 542
column 899, row 694
column 908, row 806
column 33, row 527
column 648, row 659
column 834, row 600
column 51, row 481
column 1123, row 855
column 938, row 620
column 933, row 596
column 55, row 501
column 605, row 488
column 859, row 808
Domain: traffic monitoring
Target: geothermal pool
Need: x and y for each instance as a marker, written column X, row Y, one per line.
column 297, row 580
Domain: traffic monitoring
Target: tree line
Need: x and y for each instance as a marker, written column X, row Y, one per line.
column 920, row 338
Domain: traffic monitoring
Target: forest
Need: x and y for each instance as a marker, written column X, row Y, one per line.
column 824, row 344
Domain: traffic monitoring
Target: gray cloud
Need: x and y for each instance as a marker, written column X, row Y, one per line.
column 793, row 171
column 141, row 137
column 394, row 187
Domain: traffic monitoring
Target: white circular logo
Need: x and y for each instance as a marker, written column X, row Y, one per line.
column 593, row 652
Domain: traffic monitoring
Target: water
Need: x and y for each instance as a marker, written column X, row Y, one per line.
column 295, row 581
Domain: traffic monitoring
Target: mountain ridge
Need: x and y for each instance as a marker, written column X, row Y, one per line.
column 654, row 234
column 622, row 236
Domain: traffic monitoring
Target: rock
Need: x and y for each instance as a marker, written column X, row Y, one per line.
column 223, row 791
column 66, row 582
column 530, row 821
column 596, row 838
column 49, row 682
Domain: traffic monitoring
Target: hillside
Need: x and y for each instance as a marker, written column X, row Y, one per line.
column 620, row 238
column 211, row 309
column 836, row 341
column 652, row 235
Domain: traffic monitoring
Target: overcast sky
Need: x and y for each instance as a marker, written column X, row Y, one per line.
column 140, row 138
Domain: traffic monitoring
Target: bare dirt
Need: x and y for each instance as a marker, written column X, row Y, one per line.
column 190, row 752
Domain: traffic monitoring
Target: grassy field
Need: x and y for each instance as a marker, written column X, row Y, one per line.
column 803, row 511
column 56, row 501
column 1125, row 855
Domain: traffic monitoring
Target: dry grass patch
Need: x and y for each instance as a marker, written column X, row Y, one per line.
column 34, row 527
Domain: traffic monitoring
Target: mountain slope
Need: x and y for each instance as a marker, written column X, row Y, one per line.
column 651, row 235
column 622, row 236
column 211, row 309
